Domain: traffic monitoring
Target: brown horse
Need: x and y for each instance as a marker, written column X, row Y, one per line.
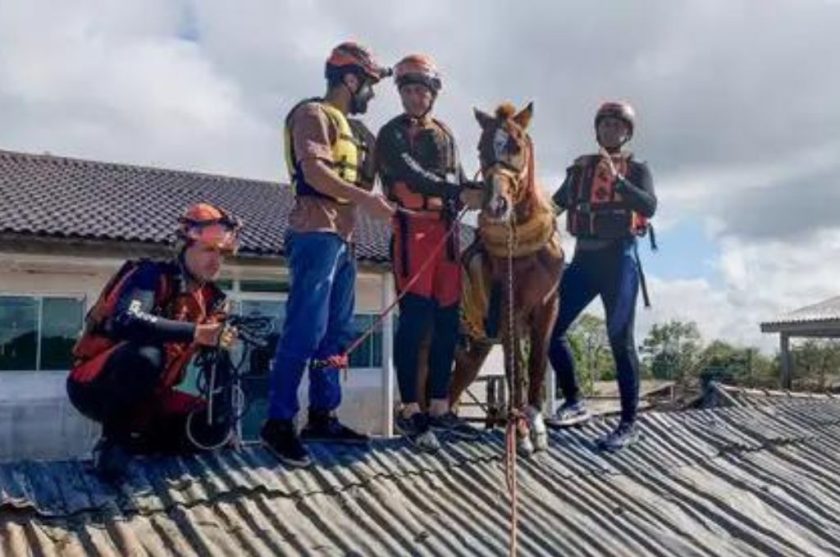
column 517, row 252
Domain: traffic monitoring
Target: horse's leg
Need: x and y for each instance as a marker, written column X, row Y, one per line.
column 514, row 373
column 423, row 370
column 468, row 362
column 540, row 332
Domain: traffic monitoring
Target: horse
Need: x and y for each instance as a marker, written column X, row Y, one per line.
column 517, row 259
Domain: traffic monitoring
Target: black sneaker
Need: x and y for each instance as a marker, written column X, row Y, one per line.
column 569, row 414
column 327, row 429
column 110, row 459
column 281, row 440
column 451, row 423
column 418, row 432
column 623, row 435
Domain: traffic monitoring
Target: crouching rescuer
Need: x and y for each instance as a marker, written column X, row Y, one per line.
column 149, row 322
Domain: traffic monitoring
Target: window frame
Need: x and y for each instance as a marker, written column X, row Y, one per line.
column 40, row 296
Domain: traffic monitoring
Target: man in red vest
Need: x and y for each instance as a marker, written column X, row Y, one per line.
column 608, row 198
column 149, row 321
column 420, row 170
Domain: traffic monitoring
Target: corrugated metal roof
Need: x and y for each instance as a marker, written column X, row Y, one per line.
column 724, row 481
column 728, row 395
column 827, row 310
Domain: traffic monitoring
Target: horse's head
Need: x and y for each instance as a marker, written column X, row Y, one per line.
column 507, row 159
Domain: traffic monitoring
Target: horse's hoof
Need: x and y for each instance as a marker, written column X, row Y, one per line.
column 540, row 441
column 539, row 431
column 524, row 446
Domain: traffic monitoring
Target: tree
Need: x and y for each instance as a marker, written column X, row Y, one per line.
column 591, row 350
column 671, row 350
column 815, row 362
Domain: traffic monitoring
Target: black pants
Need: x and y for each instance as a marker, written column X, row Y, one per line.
column 612, row 274
column 418, row 316
column 125, row 389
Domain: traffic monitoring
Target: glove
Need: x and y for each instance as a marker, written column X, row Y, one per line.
column 473, row 184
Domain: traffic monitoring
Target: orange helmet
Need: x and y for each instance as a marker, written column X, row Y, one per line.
column 418, row 68
column 617, row 109
column 353, row 56
column 210, row 226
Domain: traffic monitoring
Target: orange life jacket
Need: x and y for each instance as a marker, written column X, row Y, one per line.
column 201, row 306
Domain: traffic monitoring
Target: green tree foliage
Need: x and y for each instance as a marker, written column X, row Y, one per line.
column 591, row 350
column 671, row 350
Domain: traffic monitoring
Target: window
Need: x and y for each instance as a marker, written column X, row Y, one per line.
column 269, row 286
column 258, row 366
column 369, row 354
column 38, row 333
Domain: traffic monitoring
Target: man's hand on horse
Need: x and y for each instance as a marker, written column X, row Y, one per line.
column 472, row 198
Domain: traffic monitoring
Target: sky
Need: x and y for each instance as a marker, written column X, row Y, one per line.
column 737, row 103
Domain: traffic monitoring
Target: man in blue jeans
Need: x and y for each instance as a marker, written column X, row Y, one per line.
column 608, row 198
column 327, row 156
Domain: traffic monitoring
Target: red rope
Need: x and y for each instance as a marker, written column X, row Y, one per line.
column 514, row 419
column 344, row 358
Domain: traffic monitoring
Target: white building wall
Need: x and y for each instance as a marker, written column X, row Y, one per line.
column 37, row 420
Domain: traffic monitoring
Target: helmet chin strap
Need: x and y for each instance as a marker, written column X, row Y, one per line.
column 428, row 110
column 616, row 149
column 355, row 107
column 185, row 270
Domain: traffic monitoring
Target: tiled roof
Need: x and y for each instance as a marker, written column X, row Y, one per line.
column 825, row 311
column 724, row 481
column 60, row 197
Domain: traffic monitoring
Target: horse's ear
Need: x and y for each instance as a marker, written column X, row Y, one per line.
column 483, row 118
column 523, row 117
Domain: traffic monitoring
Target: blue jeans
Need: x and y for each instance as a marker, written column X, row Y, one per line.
column 611, row 273
column 319, row 322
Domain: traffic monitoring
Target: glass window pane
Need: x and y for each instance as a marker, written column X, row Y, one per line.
column 369, row 354
column 60, row 326
column 258, row 365
column 18, row 332
column 278, row 286
column 225, row 284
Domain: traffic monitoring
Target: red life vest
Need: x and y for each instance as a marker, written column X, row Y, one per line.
column 596, row 210
column 92, row 349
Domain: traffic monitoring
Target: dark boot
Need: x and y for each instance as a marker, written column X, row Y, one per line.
column 281, row 440
column 324, row 427
column 110, row 458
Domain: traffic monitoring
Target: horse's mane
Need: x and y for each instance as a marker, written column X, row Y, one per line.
column 505, row 111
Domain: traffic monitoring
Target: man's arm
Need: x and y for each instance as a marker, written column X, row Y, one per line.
column 133, row 318
column 393, row 152
column 639, row 193
column 561, row 196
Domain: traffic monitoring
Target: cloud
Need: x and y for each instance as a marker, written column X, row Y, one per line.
column 737, row 105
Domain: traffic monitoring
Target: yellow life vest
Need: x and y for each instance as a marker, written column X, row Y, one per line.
column 347, row 152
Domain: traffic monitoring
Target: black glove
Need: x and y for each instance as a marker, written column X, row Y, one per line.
column 473, row 184
column 451, row 190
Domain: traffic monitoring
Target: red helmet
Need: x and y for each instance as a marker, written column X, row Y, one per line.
column 353, row 56
column 617, row 109
column 210, row 226
column 418, row 68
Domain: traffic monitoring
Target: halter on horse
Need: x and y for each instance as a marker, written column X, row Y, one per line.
column 519, row 249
